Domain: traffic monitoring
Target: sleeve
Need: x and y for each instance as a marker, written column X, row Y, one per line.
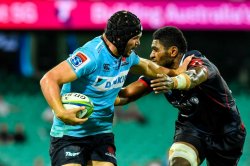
column 82, row 62
column 200, row 61
column 146, row 82
column 203, row 62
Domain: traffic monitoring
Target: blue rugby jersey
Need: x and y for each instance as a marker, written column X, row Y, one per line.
column 100, row 77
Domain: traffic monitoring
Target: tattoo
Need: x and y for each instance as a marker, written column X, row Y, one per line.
column 197, row 76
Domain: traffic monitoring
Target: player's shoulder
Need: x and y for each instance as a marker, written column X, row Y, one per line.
column 92, row 45
column 198, row 58
column 90, row 48
column 82, row 56
column 196, row 54
column 93, row 42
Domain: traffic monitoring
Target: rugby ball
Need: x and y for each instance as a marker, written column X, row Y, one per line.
column 74, row 100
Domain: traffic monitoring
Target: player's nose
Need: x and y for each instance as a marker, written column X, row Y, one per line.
column 152, row 56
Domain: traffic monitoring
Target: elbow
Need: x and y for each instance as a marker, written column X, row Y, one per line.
column 45, row 80
column 42, row 80
column 129, row 97
column 128, row 94
column 123, row 98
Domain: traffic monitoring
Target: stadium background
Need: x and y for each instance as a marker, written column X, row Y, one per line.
column 143, row 129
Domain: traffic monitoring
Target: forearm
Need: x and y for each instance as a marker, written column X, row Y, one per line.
column 183, row 81
column 51, row 92
column 189, row 79
column 131, row 93
column 151, row 69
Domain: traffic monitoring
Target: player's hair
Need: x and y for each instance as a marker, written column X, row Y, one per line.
column 171, row 36
column 122, row 26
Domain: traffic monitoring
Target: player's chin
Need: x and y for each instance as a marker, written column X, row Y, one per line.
column 127, row 54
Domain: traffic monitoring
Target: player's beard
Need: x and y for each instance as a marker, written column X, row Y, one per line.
column 129, row 49
column 169, row 63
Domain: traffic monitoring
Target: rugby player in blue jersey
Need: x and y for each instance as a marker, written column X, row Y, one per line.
column 209, row 125
column 98, row 69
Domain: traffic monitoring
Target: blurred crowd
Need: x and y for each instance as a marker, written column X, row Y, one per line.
column 16, row 136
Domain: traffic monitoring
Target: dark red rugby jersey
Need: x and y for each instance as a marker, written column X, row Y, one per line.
column 210, row 106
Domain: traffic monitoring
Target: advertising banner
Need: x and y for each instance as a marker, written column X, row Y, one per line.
column 85, row 15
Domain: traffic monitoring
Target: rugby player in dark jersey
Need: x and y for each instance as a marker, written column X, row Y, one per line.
column 208, row 124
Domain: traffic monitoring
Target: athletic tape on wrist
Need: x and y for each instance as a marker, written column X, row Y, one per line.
column 182, row 82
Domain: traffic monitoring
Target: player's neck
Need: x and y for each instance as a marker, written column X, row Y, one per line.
column 110, row 45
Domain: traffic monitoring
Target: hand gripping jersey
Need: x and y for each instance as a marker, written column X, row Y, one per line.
column 210, row 106
column 100, row 76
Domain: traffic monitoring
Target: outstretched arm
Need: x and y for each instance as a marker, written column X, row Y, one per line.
column 132, row 92
column 151, row 69
column 138, row 89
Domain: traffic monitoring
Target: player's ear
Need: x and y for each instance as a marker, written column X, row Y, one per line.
column 173, row 51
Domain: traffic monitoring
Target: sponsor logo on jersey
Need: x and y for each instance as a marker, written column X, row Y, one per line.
column 78, row 59
column 106, row 83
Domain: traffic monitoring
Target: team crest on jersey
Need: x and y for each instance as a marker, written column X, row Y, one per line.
column 78, row 59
